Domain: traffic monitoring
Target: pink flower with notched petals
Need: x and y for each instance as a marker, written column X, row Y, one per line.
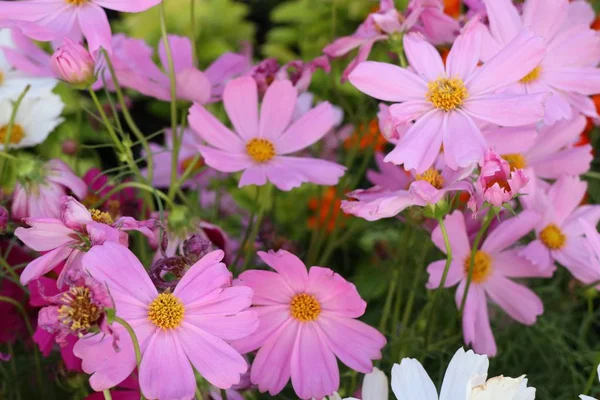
column 569, row 68
column 559, row 234
column 447, row 101
column 43, row 199
column 189, row 327
column 69, row 18
column 307, row 318
column 261, row 144
column 496, row 262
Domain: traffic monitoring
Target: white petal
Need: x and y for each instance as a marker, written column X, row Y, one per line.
column 466, row 370
column 411, row 382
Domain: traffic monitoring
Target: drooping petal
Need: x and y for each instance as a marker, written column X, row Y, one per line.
column 276, row 109
column 204, row 281
column 306, row 130
column 45, row 263
column 377, row 203
column 387, row 82
column 520, row 302
column 410, row 381
column 193, row 85
column 423, row 57
column 240, row 98
column 209, row 128
column 44, row 234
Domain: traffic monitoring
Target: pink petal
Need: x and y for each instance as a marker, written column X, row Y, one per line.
column 214, row 359
column 554, row 138
column 545, row 18
column 193, row 85
column 391, row 176
column 573, row 161
column 95, row 27
column 336, row 295
column 127, row 5
column 253, row 176
column 45, row 234
column 62, row 174
column 510, row 231
column 507, row 109
column 409, row 110
column 181, row 49
column 287, row 173
column 306, row 130
column 314, row 369
column 355, row 343
column 505, row 21
column 387, row 82
column 271, row 318
column 566, row 194
column 537, row 253
column 584, row 81
column 520, row 302
column 512, row 264
column 464, row 55
column 464, row 145
column 343, row 45
column 377, row 203
column 165, row 372
column 271, row 367
column 226, row 327
column 577, row 46
column 436, row 269
column 269, row 288
column 209, row 128
column 507, row 140
column 226, row 67
column 290, row 267
column 204, row 281
column 277, row 108
column 580, row 12
column 74, row 214
column 457, row 234
column 45, row 263
column 513, row 62
column 420, row 146
column 363, row 53
column 423, row 57
column 240, row 98
column 225, row 161
column 573, row 225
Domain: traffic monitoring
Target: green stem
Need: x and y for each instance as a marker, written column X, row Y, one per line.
column 107, row 395
column 388, row 301
column 430, row 324
column 252, row 238
column 592, row 377
column 137, row 185
column 198, row 394
column 9, row 270
column 9, row 128
column 193, row 28
column 484, row 227
column 247, row 233
column 36, row 352
column 134, row 340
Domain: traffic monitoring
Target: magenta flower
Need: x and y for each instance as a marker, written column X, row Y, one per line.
column 70, row 18
column 306, row 320
column 261, row 143
column 190, row 326
column 559, row 234
column 73, row 64
column 446, row 102
column 497, row 183
column 496, row 261
column 568, row 69
column 397, row 190
column 42, row 198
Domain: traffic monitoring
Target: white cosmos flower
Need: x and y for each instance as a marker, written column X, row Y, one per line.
column 13, row 82
column 36, row 117
column 504, row 388
column 374, row 387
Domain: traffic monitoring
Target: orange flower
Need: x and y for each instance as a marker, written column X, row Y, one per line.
column 452, row 8
column 327, row 210
column 366, row 137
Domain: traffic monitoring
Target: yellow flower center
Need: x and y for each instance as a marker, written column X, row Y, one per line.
column 261, row 150
column 166, row 311
column 482, row 267
column 305, row 307
column 76, row 2
column 432, row 176
column 79, row 312
column 552, row 237
column 17, row 134
column 533, row 75
column 1, row 77
column 101, row 216
column 515, row 160
column 446, row 94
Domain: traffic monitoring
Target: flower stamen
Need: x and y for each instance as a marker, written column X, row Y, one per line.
column 432, row 176
column 552, row 237
column 482, row 267
column 101, row 216
column 515, row 160
column 305, row 307
column 79, row 312
column 446, row 94
column 17, row 134
column 532, row 76
column 166, row 311
column 76, row 2
column 261, row 150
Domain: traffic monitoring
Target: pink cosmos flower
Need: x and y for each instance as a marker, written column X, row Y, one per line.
column 136, row 69
column 69, row 18
column 497, row 183
column 447, row 101
column 593, row 245
column 395, row 191
column 559, row 233
column 66, row 239
column 496, row 261
column 129, row 389
column 568, row 69
column 190, row 325
column 261, row 144
column 307, row 318
column 388, row 127
column 426, row 16
column 42, row 198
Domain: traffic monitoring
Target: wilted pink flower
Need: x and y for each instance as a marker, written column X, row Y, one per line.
column 559, row 234
column 297, row 71
column 72, row 63
column 447, row 101
column 41, row 196
column 568, row 69
column 496, row 261
column 57, row 19
column 497, row 182
column 190, row 326
column 307, row 318
column 261, row 144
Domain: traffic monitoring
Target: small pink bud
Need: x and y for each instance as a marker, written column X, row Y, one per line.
column 74, row 64
column 69, row 147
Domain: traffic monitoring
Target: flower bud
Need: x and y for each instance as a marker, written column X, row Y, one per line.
column 195, row 248
column 74, row 64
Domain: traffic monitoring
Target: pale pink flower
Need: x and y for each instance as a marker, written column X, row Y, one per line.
column 559, row 234
column 261, row 143
column 447, row 101
column 26, row 57
column 593, row 245
column 397, row 190
column 497, row 183
column 42, row 198
column 73, row 64
column 568, row 69
column 388, row 127
column 307, row 319
column 496, row 261
column 58, row 19
column 579, row 12
column 189, row 327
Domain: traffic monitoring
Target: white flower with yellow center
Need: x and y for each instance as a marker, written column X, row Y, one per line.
column 36, row 117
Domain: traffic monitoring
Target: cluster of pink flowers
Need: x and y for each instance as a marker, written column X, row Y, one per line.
column 483, row 148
